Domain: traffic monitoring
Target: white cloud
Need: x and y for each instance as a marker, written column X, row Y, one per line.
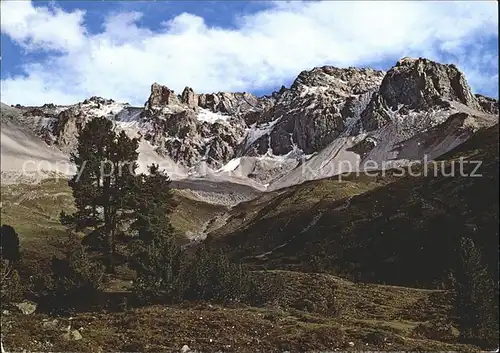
column 266, row 49
column 42, row 28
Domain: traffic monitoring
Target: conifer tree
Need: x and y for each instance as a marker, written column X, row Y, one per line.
column 106, row 164
column 157, row 258
column 153, row 203
column 476, row 297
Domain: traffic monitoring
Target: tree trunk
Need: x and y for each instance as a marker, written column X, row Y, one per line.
column 108, row 225
column 112, row 239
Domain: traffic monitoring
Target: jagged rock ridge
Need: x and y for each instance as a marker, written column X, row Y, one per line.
column 328, row 115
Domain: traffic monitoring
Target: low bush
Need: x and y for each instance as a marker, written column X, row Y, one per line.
column 166, row 274
column 211, row 276
column 12, row 289
column 160, row 272
column 74, row 283
column 267, row 288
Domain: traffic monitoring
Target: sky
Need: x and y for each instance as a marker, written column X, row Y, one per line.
column 64, row 52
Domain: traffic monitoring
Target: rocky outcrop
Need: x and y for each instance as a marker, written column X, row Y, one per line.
column 489, row 105
column 340, row 82
column 161, row 95
column 417, row 85
column 420, row 84
column 189, row 98
column 27, row 307
column 197, row 128
column 318, row 107
column 238, row 104
column 69, row 124
column 328, row 113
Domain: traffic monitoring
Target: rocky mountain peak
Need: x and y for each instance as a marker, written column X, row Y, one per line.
column 229, row 103
column 161, row 96
column 98, row 100
column 416, row 86
column 421, row 83
column 189, row 98
column 327, row 115
column 340, row 81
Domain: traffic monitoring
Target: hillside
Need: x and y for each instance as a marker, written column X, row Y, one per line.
column 369, row 317
column 403, row 233
column 33, row 210
column 333, row 254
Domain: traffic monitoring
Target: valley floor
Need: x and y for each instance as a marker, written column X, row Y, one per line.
column 365, row 317
column 369, row 317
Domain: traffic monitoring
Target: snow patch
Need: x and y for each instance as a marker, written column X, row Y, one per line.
column 255, row 132
column 103, row 110
column 129, row 115
column 371, row 140
column 211, row 117
column 296, row 152
column 315, row 90
column 231, row 165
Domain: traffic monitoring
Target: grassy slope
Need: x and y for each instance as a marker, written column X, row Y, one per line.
column 276, row 205
column 33, row 210
column 371, row 318
column 191, row 215
column 403, row 233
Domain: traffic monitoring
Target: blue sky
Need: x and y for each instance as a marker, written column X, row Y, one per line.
column 64, row 52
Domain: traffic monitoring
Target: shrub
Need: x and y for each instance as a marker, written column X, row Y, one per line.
column 11, row 288
column 476, row 297
column 375, row 337
column 267, row 288
column 213, row 277
column 9, row 244
column 160, row 268
column 166, row 274
column 75, row 281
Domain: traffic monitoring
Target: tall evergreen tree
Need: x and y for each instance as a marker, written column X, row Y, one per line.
column 106, row 164
column 153, row 203
column 476, row 297
column 157, row 258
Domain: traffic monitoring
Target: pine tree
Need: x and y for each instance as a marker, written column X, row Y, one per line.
column 160, row 266
column 153, row 203
column 102, row 187
column 157, row 258
column 476, row 297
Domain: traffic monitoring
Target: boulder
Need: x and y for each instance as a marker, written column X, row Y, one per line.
column 27, row 307
column 72, row 335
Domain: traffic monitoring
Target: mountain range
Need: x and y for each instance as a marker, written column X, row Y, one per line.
column 329, row 121
column 351, row 187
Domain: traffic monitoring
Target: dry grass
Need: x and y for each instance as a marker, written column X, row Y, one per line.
column 372, row 317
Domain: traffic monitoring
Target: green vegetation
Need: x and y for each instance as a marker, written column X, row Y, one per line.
column 34, row 209
column 476, row 292
column 380, row 235
column 74, row 282
column 279, row 205
column 104, row 186
column 372, row 317
column 320, row 266
column 11, row 288
column 191, row 216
